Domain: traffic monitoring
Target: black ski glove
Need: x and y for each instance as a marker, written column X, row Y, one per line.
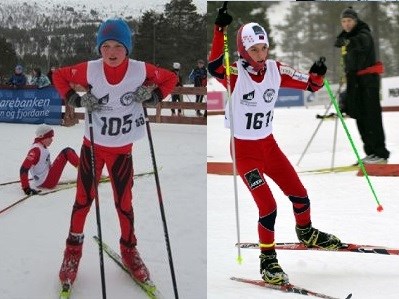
column 223, row 19
column 150, row 95
column 89, row 101
column 319, row 67
column 29, row 191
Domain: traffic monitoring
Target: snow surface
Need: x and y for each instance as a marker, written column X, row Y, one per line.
column 33, row 233
column 342, row 203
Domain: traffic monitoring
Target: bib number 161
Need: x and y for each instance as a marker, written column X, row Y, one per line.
column 256, row 120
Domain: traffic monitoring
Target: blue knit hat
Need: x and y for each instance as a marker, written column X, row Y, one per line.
column 117, row 30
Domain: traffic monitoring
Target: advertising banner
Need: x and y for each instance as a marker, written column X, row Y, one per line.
column 390, row 92
column 288, row 97
column 30, row 105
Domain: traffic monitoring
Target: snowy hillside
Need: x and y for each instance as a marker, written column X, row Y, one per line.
column 33, row 233
column 341, row 203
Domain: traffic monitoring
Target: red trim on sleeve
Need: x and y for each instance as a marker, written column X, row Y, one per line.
column 31, row 159
column 217, row 50
column 217, row 46
column 288, row 81
column 75, row 74
column 164, row 79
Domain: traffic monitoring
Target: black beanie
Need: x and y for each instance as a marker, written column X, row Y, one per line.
column 349, row 13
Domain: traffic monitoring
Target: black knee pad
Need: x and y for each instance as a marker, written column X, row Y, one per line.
column 303, row 201
column 269, row 220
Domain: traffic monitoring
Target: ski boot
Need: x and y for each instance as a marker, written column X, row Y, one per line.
column 271, row 270
column 312, row 237
column 72, row 255
column 133, row 262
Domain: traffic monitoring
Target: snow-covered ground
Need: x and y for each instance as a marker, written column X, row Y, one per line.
column 342, row 203
column 33, row 233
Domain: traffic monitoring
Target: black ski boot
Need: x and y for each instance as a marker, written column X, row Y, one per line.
column 312, row 237
column 270, row 269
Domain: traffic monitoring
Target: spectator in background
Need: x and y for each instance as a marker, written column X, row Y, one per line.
column 18, row 79
column 362, row 98
column 198, row 77
column 177, row 97
column 2, row 79
column 38, row 79
column 50, row 74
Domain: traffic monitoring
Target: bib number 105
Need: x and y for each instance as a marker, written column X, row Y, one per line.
column 113, row 126
column 257, row 120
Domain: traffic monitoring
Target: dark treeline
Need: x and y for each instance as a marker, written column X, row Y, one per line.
column 308, row 30
column 37, row 36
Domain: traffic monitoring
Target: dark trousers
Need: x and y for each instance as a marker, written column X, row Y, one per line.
column 199, row 99
column 176, row 98
column 369, row 123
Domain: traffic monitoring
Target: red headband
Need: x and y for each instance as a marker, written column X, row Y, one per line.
column 49, row 134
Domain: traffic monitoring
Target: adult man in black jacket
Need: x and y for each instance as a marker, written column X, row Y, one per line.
column 362, row 100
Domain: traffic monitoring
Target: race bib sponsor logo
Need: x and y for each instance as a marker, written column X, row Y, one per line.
column 249, row 96
column 127, row 99
column 254, row 179
column 104, row 100
column 269, row 94
column 247, row 99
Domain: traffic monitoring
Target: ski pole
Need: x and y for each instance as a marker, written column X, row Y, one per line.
column 334, row 143
column 341, row 82
column 97, row 204
column 334, row 101
column 158, row 185
column 313, row 135
column 233, row 147
column 11, row 182
column 15, row 203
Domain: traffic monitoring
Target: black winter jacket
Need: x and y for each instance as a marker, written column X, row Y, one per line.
column 360, row 50
column 360, row 54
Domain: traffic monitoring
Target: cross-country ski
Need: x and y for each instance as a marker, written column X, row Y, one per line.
column 345, row 247
column 148, row 286
column 288, row 288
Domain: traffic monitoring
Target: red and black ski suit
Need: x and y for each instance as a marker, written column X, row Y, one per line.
column 257, row 157
column 116, row 152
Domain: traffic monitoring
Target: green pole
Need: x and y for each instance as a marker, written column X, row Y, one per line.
column 334, row 102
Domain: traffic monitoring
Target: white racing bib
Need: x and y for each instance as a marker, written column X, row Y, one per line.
column 253, row 103
column 40, row 171
column 120, row 121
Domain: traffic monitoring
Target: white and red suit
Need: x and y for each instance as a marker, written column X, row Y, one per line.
column 45, row 174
